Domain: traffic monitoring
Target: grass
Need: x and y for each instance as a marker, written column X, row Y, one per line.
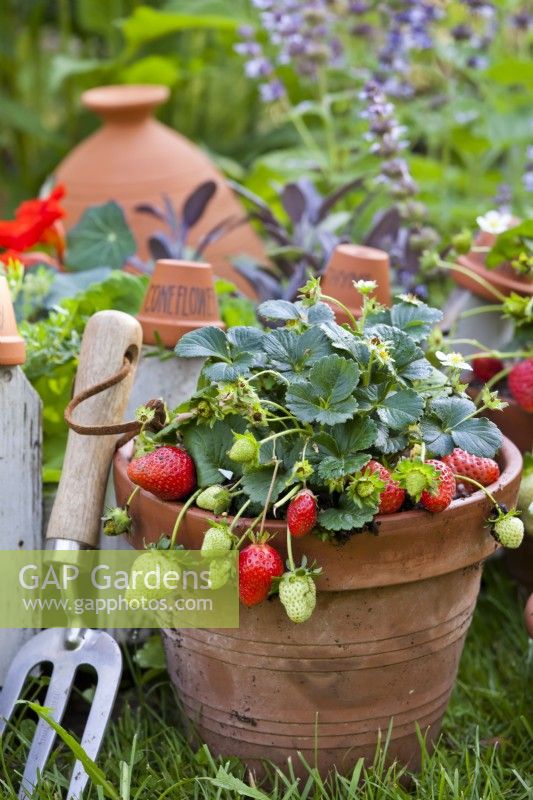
column 485, row 751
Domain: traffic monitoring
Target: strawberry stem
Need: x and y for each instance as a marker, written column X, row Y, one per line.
column 239, row 514
column 478, row 486
column 346, row 310
column 286, row 497
column 269, row 495
column 132, row 495
column 181, row 515
column 503, row 373
column 289, row 550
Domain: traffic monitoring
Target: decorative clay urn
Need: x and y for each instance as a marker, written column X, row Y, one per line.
column 354, row 262
column 504, row 278
column 12, row 347
column 135, row 159
column 180, row 298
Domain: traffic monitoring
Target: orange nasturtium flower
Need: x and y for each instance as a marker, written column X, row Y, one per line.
column 36, row 222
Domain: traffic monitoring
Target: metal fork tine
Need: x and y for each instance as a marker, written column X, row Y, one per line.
column 57, row 698
column 109, row 674
column 30, row 656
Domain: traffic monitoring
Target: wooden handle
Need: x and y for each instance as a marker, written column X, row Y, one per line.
column 108, row 338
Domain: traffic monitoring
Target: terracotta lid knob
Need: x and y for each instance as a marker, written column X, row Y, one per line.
column 354, row 262
column 181, row 297
column 12, row 347
column 125, row 103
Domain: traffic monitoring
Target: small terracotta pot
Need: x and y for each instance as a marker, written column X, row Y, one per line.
column 135, row 159
column 180, row 298
column 528, row 615
column 12, row 346
column 384, row 642
column 355, row 262
column 503, row 278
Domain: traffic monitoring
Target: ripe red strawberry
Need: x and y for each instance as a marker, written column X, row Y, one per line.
column 520, row 382
column 445, row 492
column 302, row 513
column 168, row 472
column 483, row 470
column 392, row 497
column 486, row 368
column 258, row 564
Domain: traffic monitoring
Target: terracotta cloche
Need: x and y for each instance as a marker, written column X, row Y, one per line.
column 135, row 159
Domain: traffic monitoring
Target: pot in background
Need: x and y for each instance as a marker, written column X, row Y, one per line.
column 384, row 642
column 135, row 159
column 504, row 278
column 180, row 298
column 355, row 262
column 12, row 346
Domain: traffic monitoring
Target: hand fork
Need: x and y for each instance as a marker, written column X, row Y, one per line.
column 110, row 336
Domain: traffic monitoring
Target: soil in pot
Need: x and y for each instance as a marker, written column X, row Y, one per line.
column 383, row 644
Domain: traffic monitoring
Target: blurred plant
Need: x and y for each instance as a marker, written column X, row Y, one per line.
column 174, row 244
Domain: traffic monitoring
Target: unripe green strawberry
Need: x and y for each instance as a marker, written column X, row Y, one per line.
column 219, row 572
column 298, row 596
column 525, row 502
column 151, row 561
column 217, row 541
column 215, row 498
column 509, row 532
column 245, row 449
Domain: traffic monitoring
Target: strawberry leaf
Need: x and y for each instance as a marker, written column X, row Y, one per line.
column 209, row 447
column 481, row 437
column 417, row 320
column 327, row 396
column 203, row 343
column 256, row 483
column 386, row 443
column 346, row 517
column 401, row 409
column 292, row 354
column 337, row 449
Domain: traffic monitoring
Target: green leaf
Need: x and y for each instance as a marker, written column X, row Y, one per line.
column 438, row 441
column 417, row 320
column 245, row 339
column 478, row 436
column 209, row 447
column 203, row 343
column 101, row 238
column 338, row 448
column 280, row 310
column 346, row 516
column 387, row 443
column 292, row 353
column 510, row 243
column 401, row 409
column 256, row 483
column 146, row 24
column 342, row 339
column 162, row 70
column 405, row 353
column 93, row 770
column 224, row 780
column 151, row 655
column 327, row 396
column 222, row 371
column 452, row 410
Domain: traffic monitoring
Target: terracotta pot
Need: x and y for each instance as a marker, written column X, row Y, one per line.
column 354, row 262
column 514, row 422
column 180, row 298
column 503, row 278
column 384, row 643
column 528, row 616
column 135, row 159
column 12, row 346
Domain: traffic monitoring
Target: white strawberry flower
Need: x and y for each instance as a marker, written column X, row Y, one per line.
column 495, row 222
column 455, row 360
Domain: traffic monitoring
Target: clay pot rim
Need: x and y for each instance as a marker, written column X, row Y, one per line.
column 495, row 277
column 103, row 100
column 183, row 262
column 362, row 251
column 509, row 456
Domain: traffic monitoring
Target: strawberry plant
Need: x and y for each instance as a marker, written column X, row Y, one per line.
column 326, row 426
